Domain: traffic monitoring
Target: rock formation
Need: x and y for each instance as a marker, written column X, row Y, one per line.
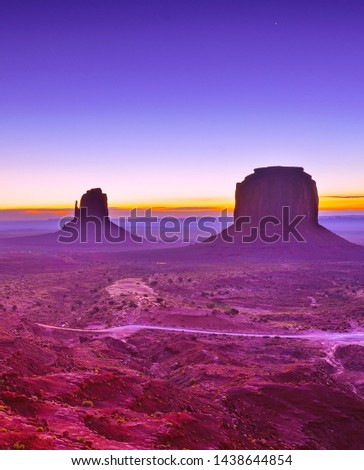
column 95, row 201
column 268, row 194
column 91, row 229
column 91, row 221
column 268, row 190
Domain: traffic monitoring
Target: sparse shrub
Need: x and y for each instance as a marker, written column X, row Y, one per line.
column 18, row 446
column 233, row 311
column 88, row 403
column 88, row 419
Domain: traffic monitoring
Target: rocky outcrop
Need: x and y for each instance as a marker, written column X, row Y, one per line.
column 91, row 222
column 91, row 229
column 268, row 190
column 95, row 202
column 276, row 210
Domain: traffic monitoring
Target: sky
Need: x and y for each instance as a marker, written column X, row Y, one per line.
column 170, row 103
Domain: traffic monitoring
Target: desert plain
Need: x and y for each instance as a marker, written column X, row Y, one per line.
column 180, row 349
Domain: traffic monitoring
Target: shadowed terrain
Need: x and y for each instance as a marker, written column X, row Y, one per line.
column 149, row 388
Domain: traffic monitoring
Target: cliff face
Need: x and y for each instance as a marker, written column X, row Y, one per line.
column 267, row 190
column 265, row 194
column 86, row 229
column 92, row 226
column 95, row 201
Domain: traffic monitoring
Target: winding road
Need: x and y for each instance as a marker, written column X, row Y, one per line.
column 355, row 336
column 332, row 340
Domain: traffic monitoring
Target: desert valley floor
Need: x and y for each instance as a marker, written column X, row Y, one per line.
column 181, row 386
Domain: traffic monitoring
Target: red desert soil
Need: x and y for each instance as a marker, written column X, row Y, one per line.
column 158, row 389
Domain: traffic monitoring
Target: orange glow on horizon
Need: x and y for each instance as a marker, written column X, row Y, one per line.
column 211, row 204
column 52, row 211
column 334, row 203
column 342, row 203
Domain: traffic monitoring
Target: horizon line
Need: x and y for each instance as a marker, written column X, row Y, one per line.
column 341, row 205
column 336, row 202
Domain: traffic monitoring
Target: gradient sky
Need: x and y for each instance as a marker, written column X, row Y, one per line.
column 172, row 102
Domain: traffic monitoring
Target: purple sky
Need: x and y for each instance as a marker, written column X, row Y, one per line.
column 174, row 101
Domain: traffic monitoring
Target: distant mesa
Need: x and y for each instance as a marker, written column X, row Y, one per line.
column 263, row 195
column 90, row 228
column 268, row 190
column 92, row 222
column 95, row 201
